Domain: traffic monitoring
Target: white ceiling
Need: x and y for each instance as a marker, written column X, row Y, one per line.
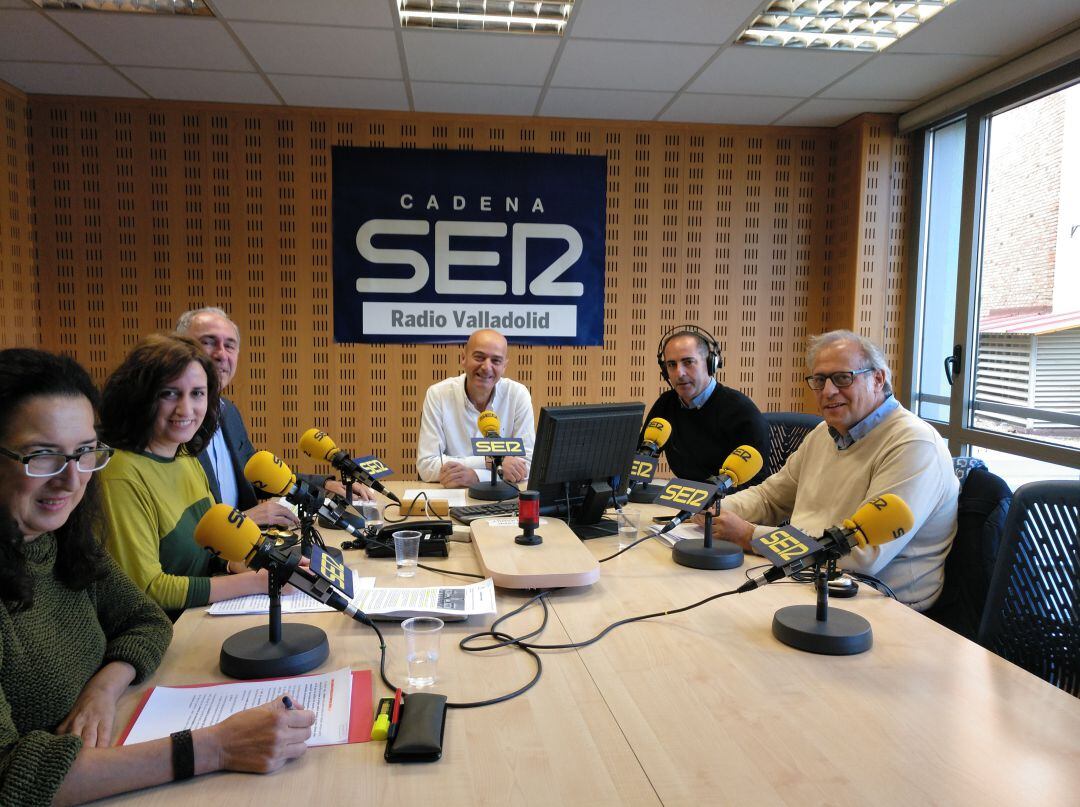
column 669, row 60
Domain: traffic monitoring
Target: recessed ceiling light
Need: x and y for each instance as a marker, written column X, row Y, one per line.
column 838, row 24
column 497, row 16
column 189, row 7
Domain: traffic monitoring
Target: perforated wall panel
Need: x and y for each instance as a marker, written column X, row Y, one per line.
column 149, row 208
column 20, row 324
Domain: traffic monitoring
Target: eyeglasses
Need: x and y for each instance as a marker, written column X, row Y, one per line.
column 844, row 378
column 51, row 463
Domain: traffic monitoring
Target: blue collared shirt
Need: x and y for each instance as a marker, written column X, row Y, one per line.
column 221, row 461
column 864, row 426
column 699, row 400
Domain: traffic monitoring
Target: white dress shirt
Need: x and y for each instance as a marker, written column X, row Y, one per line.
column 448, row 424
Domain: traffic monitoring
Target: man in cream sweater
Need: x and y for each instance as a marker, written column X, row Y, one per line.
column 868, row 445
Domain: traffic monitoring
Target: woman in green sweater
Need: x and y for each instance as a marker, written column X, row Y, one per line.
column 74, row 631
column 159, row 408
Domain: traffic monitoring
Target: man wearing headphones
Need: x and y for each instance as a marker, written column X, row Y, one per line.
column 707, row 419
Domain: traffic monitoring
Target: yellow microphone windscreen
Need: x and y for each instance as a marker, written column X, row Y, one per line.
column 267, row 473
column 881, row 520
column 742, row 464
column 228, row 532
column 317, row 444
column 658, row 431
column 488, row 423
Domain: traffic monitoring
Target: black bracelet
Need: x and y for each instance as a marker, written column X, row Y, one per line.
column 183, row 755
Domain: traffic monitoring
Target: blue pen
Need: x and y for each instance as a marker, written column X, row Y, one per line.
column 285, row 699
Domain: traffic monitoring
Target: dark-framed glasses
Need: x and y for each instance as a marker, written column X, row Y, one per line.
column 51, row 463
column 841, row 379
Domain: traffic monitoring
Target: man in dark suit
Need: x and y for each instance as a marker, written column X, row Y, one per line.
column 227, row 453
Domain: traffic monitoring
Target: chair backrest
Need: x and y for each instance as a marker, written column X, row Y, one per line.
column 786, row 432
column 1031, row 611
column 982, row 511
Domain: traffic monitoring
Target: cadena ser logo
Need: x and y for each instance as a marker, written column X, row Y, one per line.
column 784, row 544
column 687, row 494
column 643, row 468
column 431, row 245
column 498, row 447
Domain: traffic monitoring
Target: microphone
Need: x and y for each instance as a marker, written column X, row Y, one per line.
column 227, row 532
column 318, row 445
column 741, row 465
column 267, row 473
column 877, row 522
column 656, row 435
column 488, row 423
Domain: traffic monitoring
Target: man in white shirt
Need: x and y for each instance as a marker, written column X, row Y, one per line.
column 868, row 445
column 452, row 406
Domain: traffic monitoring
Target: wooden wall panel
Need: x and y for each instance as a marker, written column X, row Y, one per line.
column 149, row 208
column 20, row 322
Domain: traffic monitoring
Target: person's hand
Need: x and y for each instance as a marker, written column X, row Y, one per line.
column 456, row 475
column 272, row 514
column 729, row 527
column 359, row 492
column 514, row 469
column 256, row 740
column 91, row 718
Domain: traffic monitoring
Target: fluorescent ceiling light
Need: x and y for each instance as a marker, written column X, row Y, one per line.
column 499, row 16
column 838, row 24
column 190, row 7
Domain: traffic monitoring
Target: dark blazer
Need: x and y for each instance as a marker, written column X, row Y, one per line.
column 240, row 451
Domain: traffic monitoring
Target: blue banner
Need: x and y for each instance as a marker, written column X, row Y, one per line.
column 429, row 246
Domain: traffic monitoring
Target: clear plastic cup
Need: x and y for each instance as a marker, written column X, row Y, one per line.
column 422, row 650
column 372, row 514
column 406, row 552
column 629, row 527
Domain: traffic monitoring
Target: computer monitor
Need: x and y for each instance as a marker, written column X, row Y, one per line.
column 582, row 454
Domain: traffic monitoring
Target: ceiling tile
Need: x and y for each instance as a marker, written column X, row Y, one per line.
column 736, row 109
column 348, row 93
column 990, row 27
column 486, row 99
column 481, row 58
column 367, row 13
column 202, row 85
column 613, row 104
column 155, row 41
column 62, row 79
column 745, row 70
column 28, row 35
column 899, row 76
column 829, row 112
column 700, row 21
column 315, row 50
column 628, row 66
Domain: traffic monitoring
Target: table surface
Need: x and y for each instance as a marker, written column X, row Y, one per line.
column 698, row 707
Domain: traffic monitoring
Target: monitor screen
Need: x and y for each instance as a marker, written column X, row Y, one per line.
column 582, row 454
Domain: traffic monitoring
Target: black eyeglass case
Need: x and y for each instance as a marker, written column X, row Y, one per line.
column 420, row 726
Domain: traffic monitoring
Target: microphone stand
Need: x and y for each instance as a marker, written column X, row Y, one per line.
column 496, row 490
column 285, row 649
column 816, row 629
column 707, row 553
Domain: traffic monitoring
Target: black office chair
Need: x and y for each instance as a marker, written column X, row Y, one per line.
column 983, row 508
column 1031, row 611
column 786, row 432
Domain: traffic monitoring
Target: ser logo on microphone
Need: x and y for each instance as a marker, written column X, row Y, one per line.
column 686, row 494
column 236, row 518
column 332, row 571
column 643, row 468
column 784, row 545
column 498, row 447
column 373, row 466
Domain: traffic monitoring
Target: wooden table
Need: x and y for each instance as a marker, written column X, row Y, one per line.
column 703, row 707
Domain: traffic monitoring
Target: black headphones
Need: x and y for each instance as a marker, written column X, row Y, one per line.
column 714, row 361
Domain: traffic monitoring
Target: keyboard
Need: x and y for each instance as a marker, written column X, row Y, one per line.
column 472, row 512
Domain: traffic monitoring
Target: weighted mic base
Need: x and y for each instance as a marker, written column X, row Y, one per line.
column 693, row 553
column 646, row 494
column 841, row 634
column 493, row 491
column 251, row 654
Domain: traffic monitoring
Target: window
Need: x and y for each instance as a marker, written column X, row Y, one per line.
column 997, row 289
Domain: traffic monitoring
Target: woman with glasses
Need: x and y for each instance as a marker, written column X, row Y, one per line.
column 74, row 631
column 159, row 408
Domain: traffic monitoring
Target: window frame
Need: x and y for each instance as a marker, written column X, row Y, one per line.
column 960, row 436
